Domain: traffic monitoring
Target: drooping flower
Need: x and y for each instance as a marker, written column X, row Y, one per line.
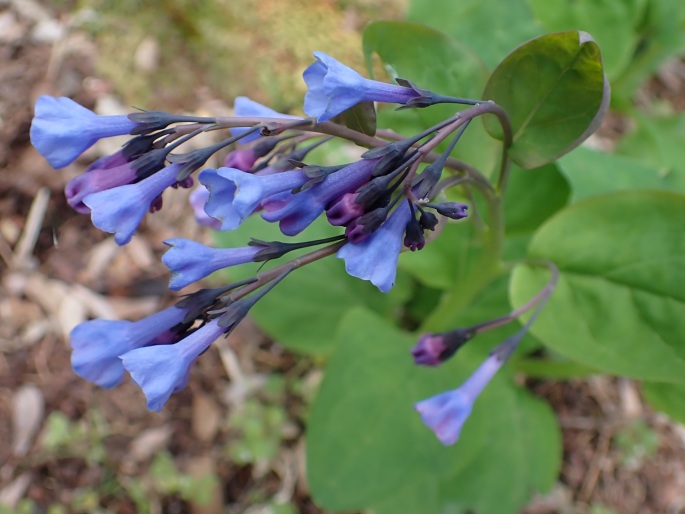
column 333, row 88
column 189, row 261
column 375, row 257
column 95, row 180
column 446, row 413
column 245, row 107
column 198, row 199
column 434, row 349
column 234, row 194
column 158, row 370
column 97, row 344
column 120, row 210
column 62, row 130
column 295, row 212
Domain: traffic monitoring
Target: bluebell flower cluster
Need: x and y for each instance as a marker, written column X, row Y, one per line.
column 382, row 203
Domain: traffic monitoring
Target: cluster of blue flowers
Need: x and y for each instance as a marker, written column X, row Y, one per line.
column 382, row 202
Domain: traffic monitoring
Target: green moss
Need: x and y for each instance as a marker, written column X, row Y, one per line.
column 235, row 47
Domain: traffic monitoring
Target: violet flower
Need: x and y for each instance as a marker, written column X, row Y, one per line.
column 121, row 209
column 62, row 130
column 333, row 88
column 95, row 180
column 446, row 413
column 158, row 370
column 198, row 199
column 97, row 344
column 189, row 261
column 234, row 194
column 295, row 212
column 375, row 257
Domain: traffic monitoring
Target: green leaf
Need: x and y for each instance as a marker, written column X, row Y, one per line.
column 361, row 117
column 555, row 93
column 434, row 61
column 531, row 197
column 365, row 444
column 302, row 311
column 658, row 143
column 592, row 173
column 491, row 28
column 614, row 22
column 667, row 398
column 619, row 305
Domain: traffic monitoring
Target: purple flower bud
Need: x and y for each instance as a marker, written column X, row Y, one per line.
column 234, row 194
column 454, row 210
column 95, row 180
column 344, row 210
column 120, row 210
column 159, row 370
column 375, row 258
column 295, row 212
column 428, row 220
column 189, row 261
column 333, row 88
column 241, row 159
column 109, row 162
column 97, row 344
column 355, row 233
column 62, row 130
column 446, row 413
column 198, row 198
column 244, row 107
column 434, row 349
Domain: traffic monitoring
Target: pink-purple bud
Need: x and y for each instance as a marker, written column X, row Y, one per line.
column 344, row 210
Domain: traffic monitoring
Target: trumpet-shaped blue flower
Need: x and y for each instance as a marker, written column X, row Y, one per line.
column 98, row 344
column 62, row 130
column 160, row 370
column 189, row 261
column 234, row 194
column 119, row 211
column 295, row 212
column 96, row 180
column 333, row 88
column 245, row 107
column 375, row 257
column 446, row 413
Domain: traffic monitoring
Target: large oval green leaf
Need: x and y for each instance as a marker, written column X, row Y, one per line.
column 620, row 303
column 555, row 92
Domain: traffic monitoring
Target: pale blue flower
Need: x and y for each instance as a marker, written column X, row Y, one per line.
column 158, row 370
column 375, row 258
column 446, row 413
column 244, row 107
column 332, row 88
column 97, row 344
column 62, row 130
column 189, row 261
column 234, row 194
column 120, row 210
